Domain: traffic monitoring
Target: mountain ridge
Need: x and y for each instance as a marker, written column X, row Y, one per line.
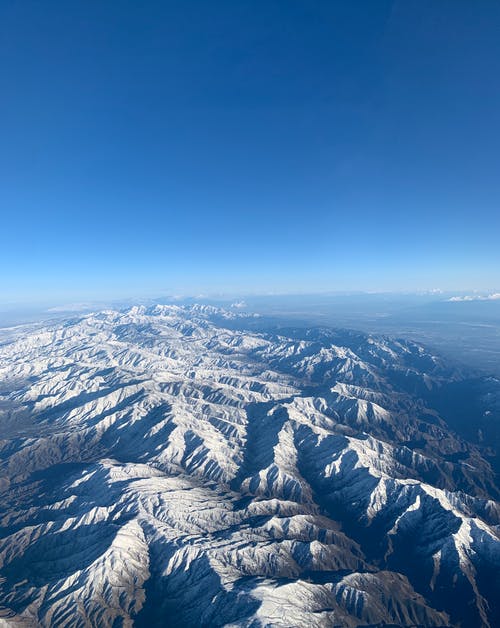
column 160, row 467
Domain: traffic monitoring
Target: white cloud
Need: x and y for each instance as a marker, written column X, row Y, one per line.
column 72, row 307
column 477, row 297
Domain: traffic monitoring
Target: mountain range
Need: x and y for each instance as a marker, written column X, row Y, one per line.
column 182, row 466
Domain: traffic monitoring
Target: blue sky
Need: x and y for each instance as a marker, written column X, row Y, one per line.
column 191, row 146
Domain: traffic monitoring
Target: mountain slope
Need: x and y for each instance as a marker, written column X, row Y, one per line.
column 163, row 466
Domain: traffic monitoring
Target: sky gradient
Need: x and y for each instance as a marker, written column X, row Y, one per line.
column 190, row 146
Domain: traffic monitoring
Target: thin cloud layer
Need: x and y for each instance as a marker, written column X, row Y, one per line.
column 477, row 297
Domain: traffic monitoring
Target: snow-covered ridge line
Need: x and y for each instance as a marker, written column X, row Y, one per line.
column 157, row 463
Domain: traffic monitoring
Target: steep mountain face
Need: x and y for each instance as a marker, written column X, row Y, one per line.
column 165, row 467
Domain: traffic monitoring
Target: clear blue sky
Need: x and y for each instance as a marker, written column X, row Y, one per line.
column 184, row 146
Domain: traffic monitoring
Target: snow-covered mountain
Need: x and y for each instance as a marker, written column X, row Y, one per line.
column 166, row 466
